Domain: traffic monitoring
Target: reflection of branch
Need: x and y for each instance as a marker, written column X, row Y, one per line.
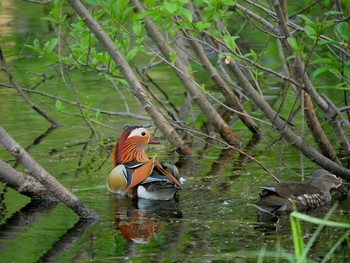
column 196, row 134
column 67, row 240
column 39, row 139
column 21, row 93
column 82, row 106
column 81, row 157
column 27, row 216
column 218, row 166
column 244, row 157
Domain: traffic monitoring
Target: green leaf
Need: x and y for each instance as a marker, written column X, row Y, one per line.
column 326, row 61
column 334, row 13
column 171, row 7
column 58, row 105
column 187, row 14
column 50, row 45
column 201, row 25
column 336, row 72
column 347, row 69
column 173, row 56
column 328, row 42
column 231, row 41
column 341, row 27
column 93, row 2
column 343, row 31
column 306, row 19
column 137, row 27
column 310, row 32
column 293, row 43
column 328, row 23
column 139, row 40
column 297, row 235
column 321, row 70
column 319, row 221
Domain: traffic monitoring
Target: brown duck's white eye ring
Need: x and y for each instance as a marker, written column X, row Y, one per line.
column 143, row 133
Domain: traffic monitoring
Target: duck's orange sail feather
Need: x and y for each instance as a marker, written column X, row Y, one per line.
column 166, row 173
column 141, row 173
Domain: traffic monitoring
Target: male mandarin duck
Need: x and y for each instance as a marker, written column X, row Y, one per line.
column 314, row 193
column 136, row 175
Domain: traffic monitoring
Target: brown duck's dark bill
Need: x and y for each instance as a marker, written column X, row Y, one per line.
column 153, row 141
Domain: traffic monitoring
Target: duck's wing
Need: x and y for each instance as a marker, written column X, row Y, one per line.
column 117, row 179
column 168, row 172
column 137, row 173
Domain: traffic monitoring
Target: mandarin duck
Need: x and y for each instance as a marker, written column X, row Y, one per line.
column 315, row 193
column 134, row 174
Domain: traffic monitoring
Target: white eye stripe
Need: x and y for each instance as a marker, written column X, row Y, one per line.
column 138, row 132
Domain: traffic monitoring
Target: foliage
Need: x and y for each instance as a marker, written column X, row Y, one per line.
column 302, row 250
column 319, row 36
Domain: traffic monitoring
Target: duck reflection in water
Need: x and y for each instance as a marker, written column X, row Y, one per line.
column 140, row 220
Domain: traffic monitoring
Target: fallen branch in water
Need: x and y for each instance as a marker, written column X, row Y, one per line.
column 43, row 177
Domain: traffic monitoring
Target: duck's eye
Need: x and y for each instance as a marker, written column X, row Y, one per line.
column 143, row 133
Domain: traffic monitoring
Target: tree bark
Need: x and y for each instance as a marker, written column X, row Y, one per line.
column 25, row 185
column 43, row 177
column 181, row 70
column 231, row 99
column 135, row 86
column 300, row 75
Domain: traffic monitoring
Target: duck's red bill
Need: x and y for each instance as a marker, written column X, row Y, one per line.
column 153, row 141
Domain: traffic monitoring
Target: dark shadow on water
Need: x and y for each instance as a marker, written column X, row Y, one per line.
column 24, row 218
column 244, row 158
column 67, row 240
column 218, row 166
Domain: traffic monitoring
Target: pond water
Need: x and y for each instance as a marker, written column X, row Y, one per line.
column 212, row 218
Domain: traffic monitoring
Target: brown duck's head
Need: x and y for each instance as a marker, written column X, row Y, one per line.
column 326, row 181
column 131, row 146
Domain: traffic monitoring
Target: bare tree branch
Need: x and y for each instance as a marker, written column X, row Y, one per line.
column 181, row 71
column 135, row 86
